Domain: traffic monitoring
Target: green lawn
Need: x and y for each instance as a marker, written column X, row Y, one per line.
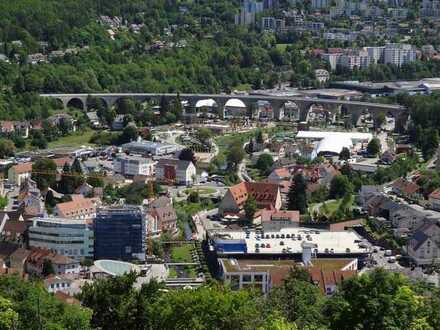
column 333, row 206
column 74, row 140
column 282, row 47
column 201, row 191
column 181, row 253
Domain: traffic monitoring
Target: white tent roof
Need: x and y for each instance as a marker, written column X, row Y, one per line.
column 206, row 103
column 235, row 103
column 333, row 144
column 355, row 136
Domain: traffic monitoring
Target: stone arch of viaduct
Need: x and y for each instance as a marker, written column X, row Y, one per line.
column 338, row 108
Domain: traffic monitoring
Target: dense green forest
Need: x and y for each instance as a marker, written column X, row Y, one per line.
column 379, row 300
column 203, row 51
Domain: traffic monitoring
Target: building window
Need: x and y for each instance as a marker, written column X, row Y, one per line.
column 247, row 278
column 235, row 282
column 258, row 278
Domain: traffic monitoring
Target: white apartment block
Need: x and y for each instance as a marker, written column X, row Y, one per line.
column 71, row 238
column 133, row 165
column 399, row 54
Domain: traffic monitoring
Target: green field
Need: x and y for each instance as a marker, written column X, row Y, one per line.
column 331, row 207
column 74, row 140
column 282, row 47
column 201, row 191
column 181, row 253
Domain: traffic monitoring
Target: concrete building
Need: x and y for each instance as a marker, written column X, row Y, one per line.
column 161, row 219
column 264, row 275
column 399, row 54
column 273, row 220
column 430, row 8
column 248, row 12
column 150, row 148
column 71, row 238
column 129, row 165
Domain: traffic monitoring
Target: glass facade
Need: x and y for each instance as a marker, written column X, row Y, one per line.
column 120, row 234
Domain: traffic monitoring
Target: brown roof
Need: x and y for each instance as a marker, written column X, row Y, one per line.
column 62, row 161
column 324, row 278
column 164, row 214
column 282, row 172
column 264, row 193
column 273, row 215
column 37, row 256
column 15, row 227
column 435, row 194
column 406, row 187
column 22, row 168
column 76, row 206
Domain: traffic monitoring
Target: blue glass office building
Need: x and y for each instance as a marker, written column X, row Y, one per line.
column 120, row 234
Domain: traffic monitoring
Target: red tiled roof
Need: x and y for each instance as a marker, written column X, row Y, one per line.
column 62, row 161
column 23, row 168
column 270, row 215
column 324, row 278
column 435, row 194
column 264, row 193
column 406, row 187
column 77, row 206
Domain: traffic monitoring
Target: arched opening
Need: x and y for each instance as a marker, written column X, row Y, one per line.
column 207, row 108
column 263, row 111
column 75, row 103
column 390, row 122
column 235, row 108
column 57, row 103
column 365, row 120
column 318, row 115
column 291, row 111
column 95, row 103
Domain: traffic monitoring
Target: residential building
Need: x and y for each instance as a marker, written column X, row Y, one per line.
column 424, row 246
column 320, row 4
column 78, row 208
column 267, row 196
column 405, row 188
column 434, row 199
column 120, row 233
column 399, row 54
column 248, row 12
column 61, row 264
column 68, row 237
column 322, row 75
column 162, row 219
column 17, row 174
column 273, row 220
column 176, row 171
column 57, row 283
column 129, row 165
column 430, row 8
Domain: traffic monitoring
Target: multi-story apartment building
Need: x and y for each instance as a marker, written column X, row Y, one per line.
column 248, row 12
column 430, row 8
column 67, row 237
column 399, row 54
column 320, row 4
column 120, row 234
column 128, row 165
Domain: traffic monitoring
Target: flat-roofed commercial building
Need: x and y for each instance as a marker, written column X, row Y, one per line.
column 129, row 165
column 67, row 237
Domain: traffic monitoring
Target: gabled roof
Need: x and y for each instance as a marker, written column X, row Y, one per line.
column 164, row 214
column 161, row 201
column 77, row 204
column 406, row 187
column 435, row 194
column 325, row 278
column 22, row 168
column 264, row 193
column 268, row 216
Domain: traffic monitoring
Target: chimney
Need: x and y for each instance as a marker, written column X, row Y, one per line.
column 307, row 251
